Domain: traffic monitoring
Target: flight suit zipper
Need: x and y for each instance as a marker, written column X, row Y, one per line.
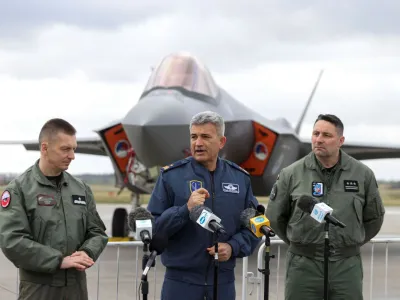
column 212, row 236
column 65, row 226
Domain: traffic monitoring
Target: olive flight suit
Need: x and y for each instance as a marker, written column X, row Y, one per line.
column 41, row 222
column 350, row 188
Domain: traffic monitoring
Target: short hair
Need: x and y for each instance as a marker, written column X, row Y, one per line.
column 53, row 127
column 333, row 120
column 209, row 117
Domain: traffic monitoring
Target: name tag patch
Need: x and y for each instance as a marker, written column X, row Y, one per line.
column 45, row 200
column 79, row 200
column 351, row 185
column 230, row 188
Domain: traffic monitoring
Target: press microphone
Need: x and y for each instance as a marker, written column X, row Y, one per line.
column 156, row 247
column 258, row 224
column 141, row 222
column 203, row 216
column 319, row 211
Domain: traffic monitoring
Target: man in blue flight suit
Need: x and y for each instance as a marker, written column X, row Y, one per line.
column 224, row 187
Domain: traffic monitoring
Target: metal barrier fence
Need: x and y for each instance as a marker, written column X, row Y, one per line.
column 247, row 277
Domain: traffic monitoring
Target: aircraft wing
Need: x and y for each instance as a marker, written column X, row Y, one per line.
column 362, row 151
column 92, row 146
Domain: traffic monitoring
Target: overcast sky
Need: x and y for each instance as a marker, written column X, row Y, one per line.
column 88, row 62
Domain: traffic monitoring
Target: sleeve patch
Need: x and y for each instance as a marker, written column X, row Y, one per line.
column 5, row 199
column 273, row 192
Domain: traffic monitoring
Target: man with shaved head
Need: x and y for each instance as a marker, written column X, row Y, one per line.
column 49, row 225
column 348, row 186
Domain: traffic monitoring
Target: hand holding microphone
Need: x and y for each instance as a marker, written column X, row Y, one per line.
column 198, row 197
column 319, row 211
column 203, row 216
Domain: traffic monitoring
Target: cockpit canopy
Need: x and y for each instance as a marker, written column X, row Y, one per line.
column 183, row 71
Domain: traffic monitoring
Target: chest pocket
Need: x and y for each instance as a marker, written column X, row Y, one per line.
column 44, row 213
column 228, row 205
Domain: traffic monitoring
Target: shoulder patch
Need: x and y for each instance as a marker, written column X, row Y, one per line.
column 274, row 190
column 174, row 165
column 5, row 199
column 236, row 166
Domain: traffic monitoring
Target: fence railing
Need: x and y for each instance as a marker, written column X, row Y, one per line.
column 247, row 277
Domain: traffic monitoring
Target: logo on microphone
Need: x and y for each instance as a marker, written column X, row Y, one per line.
column 203, row 217
column 259, row 219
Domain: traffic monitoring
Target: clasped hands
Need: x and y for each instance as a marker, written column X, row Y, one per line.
column 78, row 260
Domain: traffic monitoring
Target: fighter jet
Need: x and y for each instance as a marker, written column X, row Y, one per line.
column 155, row 132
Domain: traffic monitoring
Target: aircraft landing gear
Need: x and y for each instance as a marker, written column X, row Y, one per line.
column 120, row 218
column 119, row 226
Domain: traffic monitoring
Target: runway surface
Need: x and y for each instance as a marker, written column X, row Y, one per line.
column 127, row 287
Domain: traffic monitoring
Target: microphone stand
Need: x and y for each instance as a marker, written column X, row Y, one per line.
column 144, row 282
column 216, row 269
column 216, row 263
column 327, row 251
column 266, row 271
column 326, row 261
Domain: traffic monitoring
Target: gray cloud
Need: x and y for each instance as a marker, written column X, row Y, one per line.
column 120, row 40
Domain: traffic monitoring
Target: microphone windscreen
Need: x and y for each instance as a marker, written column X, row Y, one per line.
column 306, row 203
column 246, row 215
column 196, row 212
column 158, row 243
column 139, row 213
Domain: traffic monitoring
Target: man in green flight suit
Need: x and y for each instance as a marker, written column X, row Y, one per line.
column 349, row 187
column 49, row 225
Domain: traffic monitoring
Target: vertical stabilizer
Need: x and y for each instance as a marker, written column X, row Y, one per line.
column 298, row 127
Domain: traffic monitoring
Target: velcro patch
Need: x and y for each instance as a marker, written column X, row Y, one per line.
column 45, row 200
column 5, row 199
column 350, row 185
column 230, row 188
column 78, row 200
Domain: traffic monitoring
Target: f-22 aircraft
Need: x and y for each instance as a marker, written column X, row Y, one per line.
column 155, row 133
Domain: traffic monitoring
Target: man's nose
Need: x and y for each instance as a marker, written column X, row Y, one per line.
column 71, row 155
column 199, row 142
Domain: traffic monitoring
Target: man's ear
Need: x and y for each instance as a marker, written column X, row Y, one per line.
column 341, row 141
column 222, row 142
column 44, row 146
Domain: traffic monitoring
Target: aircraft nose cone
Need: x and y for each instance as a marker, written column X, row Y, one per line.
column 158, row 127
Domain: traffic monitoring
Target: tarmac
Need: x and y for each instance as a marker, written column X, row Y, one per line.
column 104, row 282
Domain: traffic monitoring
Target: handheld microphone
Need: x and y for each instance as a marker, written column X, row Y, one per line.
column 141, row 221
column 258, row 224
column 203, row 216
column 319, row 211
column 156, row 247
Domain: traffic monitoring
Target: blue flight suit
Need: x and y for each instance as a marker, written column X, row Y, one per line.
column 189, row 266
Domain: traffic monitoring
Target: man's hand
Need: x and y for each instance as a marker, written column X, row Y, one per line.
column 197, row 198
column 224, row 251
column 78, row 260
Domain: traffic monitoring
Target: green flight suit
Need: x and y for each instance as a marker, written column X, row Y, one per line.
column 350, row 188
column 40, row 224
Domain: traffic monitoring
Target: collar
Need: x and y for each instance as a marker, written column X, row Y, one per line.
column 200, row 168
column 312, row 162
column 42, row 179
